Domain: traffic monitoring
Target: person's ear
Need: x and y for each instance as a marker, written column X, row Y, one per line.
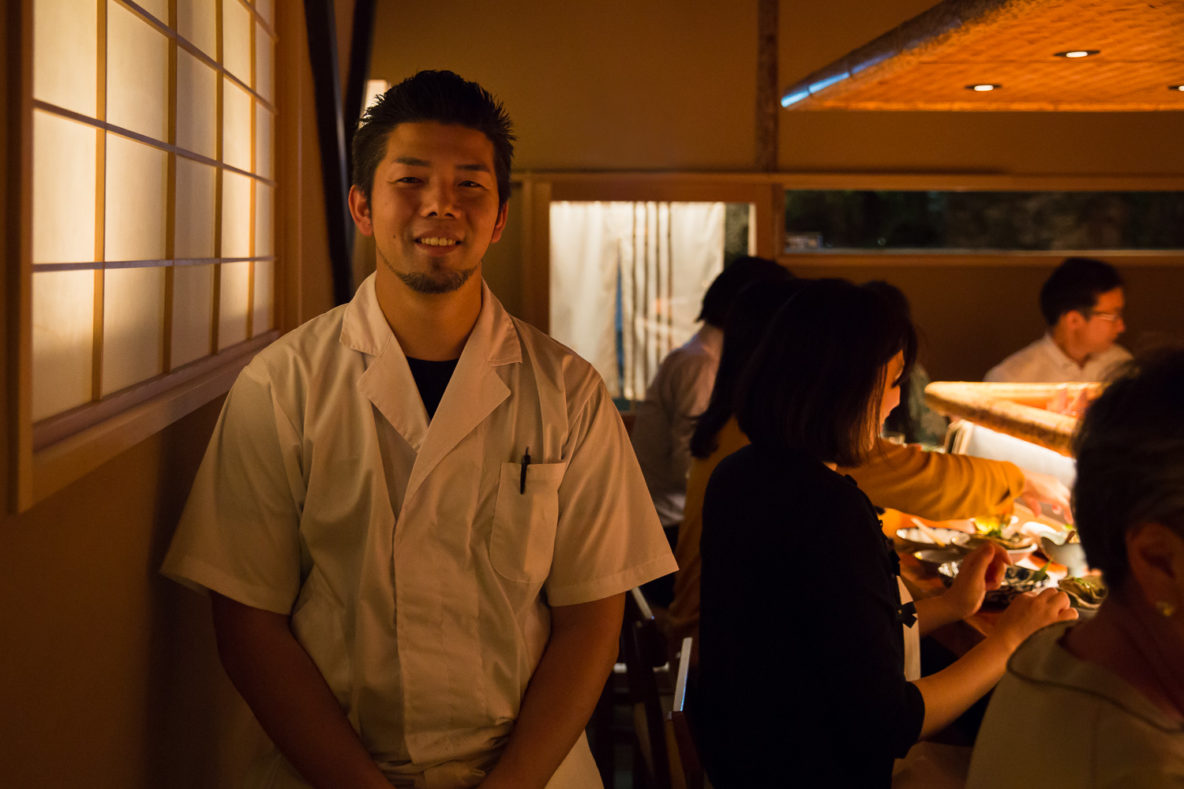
column 359, row 209
column 1155, row 555
column 1074, row 320
column 500, row 224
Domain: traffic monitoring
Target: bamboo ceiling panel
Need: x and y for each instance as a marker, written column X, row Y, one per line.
column 928, row 62
column 1019, row 410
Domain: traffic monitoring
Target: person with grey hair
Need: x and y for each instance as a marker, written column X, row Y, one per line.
column 1101, row 703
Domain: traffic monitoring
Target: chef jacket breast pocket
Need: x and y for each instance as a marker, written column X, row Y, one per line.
column 524, row 521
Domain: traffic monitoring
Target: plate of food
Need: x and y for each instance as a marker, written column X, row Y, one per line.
column 1003, row 530
column 935, row 557
column 916, row 538
column 1086, row 593
column 1016, row 581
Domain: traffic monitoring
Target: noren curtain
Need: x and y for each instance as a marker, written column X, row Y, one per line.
column 627, row 280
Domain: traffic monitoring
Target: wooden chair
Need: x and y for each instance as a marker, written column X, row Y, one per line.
column 686, row 771
column 645, row 662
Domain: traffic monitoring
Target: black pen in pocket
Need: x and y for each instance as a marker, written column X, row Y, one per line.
column 525, row 463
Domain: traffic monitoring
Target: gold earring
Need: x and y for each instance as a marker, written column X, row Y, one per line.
column 1165, row 609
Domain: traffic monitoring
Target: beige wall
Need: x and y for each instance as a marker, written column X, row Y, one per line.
column 610, row 85
column 109, row 676
column 670, row 85
column 971, row 316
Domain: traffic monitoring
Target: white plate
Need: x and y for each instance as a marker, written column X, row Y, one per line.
column 951, row 537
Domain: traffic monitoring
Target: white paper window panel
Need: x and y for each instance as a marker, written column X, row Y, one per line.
column 136, row 204
column 63, row 340
column 197, row 24
column 264, row 220
column 266, row 9
column 193, row 313
column 233, row 303
column 236, row 125
column 264, row 64
column 63, row 189
column 65, row 53
column 158, row 9
column 236, row 39
column 194, row 220
column 137, row 74
column 263, row 319
column 197, row 97
column 264, row 141
column 236, row 215
column 133, row 326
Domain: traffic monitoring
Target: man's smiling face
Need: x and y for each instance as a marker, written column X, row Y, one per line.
column 433, row 207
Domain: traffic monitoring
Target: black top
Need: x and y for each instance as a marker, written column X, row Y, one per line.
column 431, row 378
column 801, row 654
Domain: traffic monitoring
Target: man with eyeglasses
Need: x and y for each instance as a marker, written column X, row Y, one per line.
column 1082, row 302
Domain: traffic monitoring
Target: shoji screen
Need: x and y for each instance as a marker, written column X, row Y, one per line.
column 152, row 192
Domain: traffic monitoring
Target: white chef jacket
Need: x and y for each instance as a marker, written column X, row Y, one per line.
column 665, row 420
column 1044, row 362
column 416, row 568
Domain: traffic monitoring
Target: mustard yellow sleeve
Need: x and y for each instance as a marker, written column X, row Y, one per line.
column 936, row 485
column 684, row 609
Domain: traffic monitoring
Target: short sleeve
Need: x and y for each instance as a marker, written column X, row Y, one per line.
column 608, row 538
column 238, row 535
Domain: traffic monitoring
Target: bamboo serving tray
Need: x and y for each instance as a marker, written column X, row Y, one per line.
column 1015, row 409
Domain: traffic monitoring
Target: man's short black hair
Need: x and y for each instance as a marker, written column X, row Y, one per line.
column 1076, row 285
column 722, row 292
column 1130, row 460
column 816, row 380
column 443, row 97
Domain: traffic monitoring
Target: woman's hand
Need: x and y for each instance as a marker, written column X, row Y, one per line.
column 979, row 573
column 1031, row 611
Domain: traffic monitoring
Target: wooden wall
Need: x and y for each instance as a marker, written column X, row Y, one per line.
column 109, row 676
column 669, row 85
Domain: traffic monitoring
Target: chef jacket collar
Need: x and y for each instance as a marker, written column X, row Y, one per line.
column 473, row 393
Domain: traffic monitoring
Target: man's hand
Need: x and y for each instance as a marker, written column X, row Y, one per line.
column 1047, row 489
column 290, row 698
column 562, row 693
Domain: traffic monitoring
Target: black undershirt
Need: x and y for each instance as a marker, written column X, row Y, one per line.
column 431, row 378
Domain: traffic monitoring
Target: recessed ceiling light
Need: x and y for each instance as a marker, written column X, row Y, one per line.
column 983, row 87
column 1176, row 87
column 1077, row 53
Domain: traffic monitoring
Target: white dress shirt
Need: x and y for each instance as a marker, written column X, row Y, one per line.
column 1044, row 362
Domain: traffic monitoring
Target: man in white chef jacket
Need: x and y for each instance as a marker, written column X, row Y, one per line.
column 417, row 515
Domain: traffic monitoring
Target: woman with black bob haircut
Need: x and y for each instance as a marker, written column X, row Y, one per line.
column 833, row 412
column 1119, row 677
column 803, row 670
